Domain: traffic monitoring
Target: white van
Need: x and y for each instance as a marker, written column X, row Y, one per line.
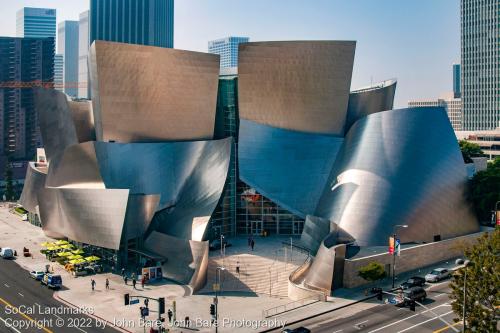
column 7, row 253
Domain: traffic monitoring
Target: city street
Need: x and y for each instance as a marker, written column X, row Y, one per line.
column 27, row 306
column 387, row 318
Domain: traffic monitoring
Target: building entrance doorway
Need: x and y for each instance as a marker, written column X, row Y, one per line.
column 256, row 228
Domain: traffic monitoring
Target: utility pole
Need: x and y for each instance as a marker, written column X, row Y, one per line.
column 394, row 252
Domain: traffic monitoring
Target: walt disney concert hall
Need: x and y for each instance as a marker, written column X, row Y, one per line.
column 145, row 167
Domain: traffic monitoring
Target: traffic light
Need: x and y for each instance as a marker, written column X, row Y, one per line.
column 144, row 312
column 127, row 299
column 212, row 309
column 161, row 305
column 379, row 295
column 412, row 305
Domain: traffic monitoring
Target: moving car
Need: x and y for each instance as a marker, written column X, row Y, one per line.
column 414, row 281
column 52, row 281
column 437, row 274
column 411, row 294
column 37, row 275
column 7, row 253
column 215, row 244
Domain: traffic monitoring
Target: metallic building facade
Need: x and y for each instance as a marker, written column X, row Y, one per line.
column 480, row 50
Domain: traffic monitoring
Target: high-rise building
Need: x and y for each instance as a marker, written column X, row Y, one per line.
column 22, row 61
column 36, row 22
column 145, row 22
column 456, row 81
column 480, row 39
column 67, row 45
column 83, row 50
column 59, row 72
column 227, row 49
column 453, row 107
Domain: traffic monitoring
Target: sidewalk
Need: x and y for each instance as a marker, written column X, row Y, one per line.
column 109, row 304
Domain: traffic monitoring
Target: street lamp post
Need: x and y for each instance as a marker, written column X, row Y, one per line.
column 466, row 263
column 394, row 253
column 217, row 282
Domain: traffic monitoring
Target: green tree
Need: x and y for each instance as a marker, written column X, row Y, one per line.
column 484, row 190
column 482, row 289
column 372, row 272
column 469, row 150
column 9, row 185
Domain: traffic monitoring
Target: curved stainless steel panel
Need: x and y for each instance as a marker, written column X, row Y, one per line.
column 398, row 169
column 291, row 168
column 140, row 211
column 33, row 183
column 146, row 93
column 187, row 260
column 83, row 118
column 376, row 98
column 92, row 216
column 55, row 121
column 296, row 85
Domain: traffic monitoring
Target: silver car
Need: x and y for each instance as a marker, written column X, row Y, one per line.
column 437, row 274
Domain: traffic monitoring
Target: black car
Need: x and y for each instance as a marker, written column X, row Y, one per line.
column 415, row 281
column 297, row 330
column 413, row 294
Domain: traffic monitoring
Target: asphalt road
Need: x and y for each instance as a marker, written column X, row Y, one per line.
column 27, row 306
column 387, row 318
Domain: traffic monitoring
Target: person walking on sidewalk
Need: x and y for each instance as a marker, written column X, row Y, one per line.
column 146, row 303
column 169, row 315
column 123, row 272
column 134, row 282
column 92, row 283
column 143, row 281
column 252, row 244
column 107, row 283
column 125, row 279
column 238, row 268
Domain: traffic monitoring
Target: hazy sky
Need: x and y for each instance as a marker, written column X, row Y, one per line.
column 415, row 41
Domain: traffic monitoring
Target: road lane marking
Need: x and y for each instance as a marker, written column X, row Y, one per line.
column 426, row 321
column 447, row 327
column 9, row 326
column 5, row 284
column 26, row 316
column 406, row 318
column 338, row 331
column 361, row 323
column 21, row 295
column 78, row 328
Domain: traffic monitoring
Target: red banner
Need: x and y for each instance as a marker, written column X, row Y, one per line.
column 391, row 245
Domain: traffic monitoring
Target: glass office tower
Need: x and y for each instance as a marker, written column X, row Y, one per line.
column 36, row 22
column 67, row 45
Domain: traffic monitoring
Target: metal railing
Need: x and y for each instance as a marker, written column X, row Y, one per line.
column 291, row 306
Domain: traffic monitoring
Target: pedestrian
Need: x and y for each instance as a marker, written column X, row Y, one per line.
column 252, row 244
column 186, row 321
column 146, row 303
column 92, row 283
column 143, row 281
column 238, row 268
column 107, row 283
column 134, row 282
column 169, row 314
column 123, row 272
column 125, row 278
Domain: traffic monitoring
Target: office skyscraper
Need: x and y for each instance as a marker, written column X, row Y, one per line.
column 67, row 45
column 83, row 51
column 227, row 49
column 36, row 22
column 456, row 81
column 59, row 72
column 145, row 22
column 22, row 62
column 480, row 31
column 453, row 107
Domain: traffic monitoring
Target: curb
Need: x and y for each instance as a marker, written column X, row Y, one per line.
column 62, row 300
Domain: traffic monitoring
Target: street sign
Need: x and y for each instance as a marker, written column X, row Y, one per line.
column 216, row 287
column 134, row 301
column 398, row 247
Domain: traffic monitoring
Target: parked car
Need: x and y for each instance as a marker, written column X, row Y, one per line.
column 414, row 281
column 297, row 330
column 437, row 275
column 215, row 244
column 37, row 275
column 7, row 253
column 52, row 281
column 411, row 294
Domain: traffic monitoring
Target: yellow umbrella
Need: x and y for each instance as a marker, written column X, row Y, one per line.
column 46, row 244
column 67, row 246
column 92, row 258
column 78, row 251
column 75, row 256
column 62, row 242
column 64, row 254
column 77, row 261
column 53, row 248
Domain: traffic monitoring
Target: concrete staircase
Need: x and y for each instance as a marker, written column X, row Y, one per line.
column 258, row 274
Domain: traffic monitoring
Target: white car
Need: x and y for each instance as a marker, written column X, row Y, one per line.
column 37, row 275
column 437, row 274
